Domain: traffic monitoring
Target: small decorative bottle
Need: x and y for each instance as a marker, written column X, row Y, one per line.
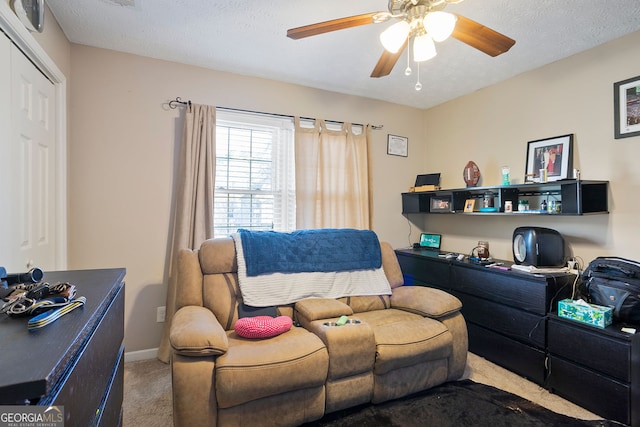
column 543, row 206
column 523, row 205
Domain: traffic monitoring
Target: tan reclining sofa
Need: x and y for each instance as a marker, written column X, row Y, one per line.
column 404, row 343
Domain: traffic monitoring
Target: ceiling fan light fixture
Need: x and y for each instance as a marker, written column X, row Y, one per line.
column 440, row 25
column 423, row 48
column 381, row 17
column 393, row 37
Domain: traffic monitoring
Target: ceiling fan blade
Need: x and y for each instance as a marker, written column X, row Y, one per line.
column 387, row 61
column 333, row 25
column 482, row 38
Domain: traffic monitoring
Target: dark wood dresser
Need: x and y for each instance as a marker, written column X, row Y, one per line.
column 599, row 369
column 512, row 321
column 78, row 360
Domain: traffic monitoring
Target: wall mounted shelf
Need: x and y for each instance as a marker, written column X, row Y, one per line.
column 576, row 197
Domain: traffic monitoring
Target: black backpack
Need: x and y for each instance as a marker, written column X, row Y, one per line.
column 614, row 282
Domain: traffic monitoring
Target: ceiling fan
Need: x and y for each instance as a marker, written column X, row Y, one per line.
column 420, row 21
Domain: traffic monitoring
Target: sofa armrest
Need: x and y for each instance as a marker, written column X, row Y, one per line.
column 195, row 331
column 428, row 302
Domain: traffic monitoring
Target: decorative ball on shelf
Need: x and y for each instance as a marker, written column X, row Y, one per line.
column 471, row 174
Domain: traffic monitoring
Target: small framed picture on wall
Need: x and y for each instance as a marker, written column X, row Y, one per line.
column 626, row 100
column 397, row 145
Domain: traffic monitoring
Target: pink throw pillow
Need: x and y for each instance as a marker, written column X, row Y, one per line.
column 262, row 326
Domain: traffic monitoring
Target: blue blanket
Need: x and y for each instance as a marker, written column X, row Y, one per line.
column 319, row 250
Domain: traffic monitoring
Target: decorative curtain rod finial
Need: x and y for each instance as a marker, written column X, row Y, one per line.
column 173, row 106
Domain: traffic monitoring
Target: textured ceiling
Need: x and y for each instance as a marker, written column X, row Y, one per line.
column 249, row 37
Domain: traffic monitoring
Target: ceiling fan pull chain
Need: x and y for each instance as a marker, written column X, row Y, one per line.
column 418, row 84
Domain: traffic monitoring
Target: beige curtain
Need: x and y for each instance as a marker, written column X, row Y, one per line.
column 332, row 177
column 193, row 206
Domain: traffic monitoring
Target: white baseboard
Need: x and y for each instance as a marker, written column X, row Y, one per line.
column 134, row 356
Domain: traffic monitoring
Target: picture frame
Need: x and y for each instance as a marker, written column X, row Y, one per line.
column 440, row 204
column 553, row 154
column 626, row 108
column 397, row 145
column 469, row 205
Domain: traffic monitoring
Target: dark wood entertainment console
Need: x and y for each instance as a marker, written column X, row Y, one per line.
column 511, row 322
column 78, row 360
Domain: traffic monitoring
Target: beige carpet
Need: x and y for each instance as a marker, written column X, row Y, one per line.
column 482, row 371
column 147, row 394
column 147, row 391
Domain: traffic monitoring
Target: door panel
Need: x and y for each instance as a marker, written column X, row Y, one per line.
column 33, row 193
column 8, row 214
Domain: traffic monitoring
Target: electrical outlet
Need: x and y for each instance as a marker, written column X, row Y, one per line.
column 161, row 312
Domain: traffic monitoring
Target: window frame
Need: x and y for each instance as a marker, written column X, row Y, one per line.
column 282, row 186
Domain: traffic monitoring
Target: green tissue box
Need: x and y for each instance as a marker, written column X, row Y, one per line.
column 591, row 314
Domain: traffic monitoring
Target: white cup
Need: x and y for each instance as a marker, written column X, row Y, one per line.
column 543, row 175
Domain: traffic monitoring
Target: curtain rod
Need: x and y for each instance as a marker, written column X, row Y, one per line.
column 178, row 101
column 181, row 102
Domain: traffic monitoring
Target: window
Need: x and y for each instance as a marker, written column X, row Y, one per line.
column 254, row 173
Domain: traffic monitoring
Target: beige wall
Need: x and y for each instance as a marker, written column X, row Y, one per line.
column 493, row 125
column 123, row 152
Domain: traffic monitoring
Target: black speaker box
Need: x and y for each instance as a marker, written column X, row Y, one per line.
column 539, row 247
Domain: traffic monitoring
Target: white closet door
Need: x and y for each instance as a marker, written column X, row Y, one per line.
column 32, row 161
column 7, row 214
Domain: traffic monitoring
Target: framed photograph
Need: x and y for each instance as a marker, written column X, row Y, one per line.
column 397, row 145
column 553, row 155
column 440, row 204
column 469, row 205
column 626, row 108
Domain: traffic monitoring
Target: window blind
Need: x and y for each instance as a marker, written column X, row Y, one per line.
column 255, row 173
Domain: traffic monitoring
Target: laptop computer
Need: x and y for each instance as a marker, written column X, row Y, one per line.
column 430, row 241
column 428, row 179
